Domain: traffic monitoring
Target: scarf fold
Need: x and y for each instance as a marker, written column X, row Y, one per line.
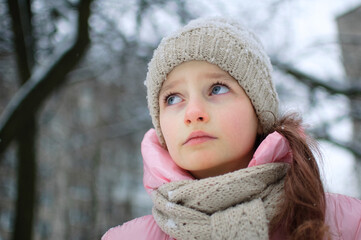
column 236, row 205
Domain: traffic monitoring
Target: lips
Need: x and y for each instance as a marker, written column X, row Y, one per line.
column 198, row 137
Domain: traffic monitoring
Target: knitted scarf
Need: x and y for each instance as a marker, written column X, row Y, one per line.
column 236, row 205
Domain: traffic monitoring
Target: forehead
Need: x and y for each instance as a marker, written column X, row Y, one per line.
column 194, row 69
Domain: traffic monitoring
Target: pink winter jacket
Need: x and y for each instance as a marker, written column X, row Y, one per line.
column 343, row 214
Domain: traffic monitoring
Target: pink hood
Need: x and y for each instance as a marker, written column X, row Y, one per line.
column 159, row 168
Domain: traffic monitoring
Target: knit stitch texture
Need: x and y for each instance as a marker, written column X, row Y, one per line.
column 230, row 46
column 237, row 205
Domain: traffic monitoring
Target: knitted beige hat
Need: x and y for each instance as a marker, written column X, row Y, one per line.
column 230, row 46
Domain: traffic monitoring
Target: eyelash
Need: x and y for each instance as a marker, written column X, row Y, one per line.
column 165, row 98
column 221, row 84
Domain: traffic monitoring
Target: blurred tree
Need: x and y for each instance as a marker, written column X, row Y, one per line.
column 18, row 120
column 350, row 90
column 72, row 205
column 350, row 42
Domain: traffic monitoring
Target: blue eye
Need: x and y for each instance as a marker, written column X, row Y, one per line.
column 219, row 89
column 173, row 99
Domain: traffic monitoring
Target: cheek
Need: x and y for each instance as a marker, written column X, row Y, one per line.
column 165, row 127
column 169, row 131
column 240, row 124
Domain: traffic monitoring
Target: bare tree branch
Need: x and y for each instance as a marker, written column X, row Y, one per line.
column 41, row 84
column 23, row 40
column 312, row 81
column 332, row 88
column 355, row 150
column 21, row 15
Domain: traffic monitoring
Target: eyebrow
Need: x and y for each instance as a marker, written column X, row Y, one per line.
column 210, row 75
column 168, row 86
column 218, row 75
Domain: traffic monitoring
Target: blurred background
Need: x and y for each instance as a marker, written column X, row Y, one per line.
column 73, row 109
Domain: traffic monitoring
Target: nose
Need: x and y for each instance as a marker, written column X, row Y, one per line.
column 196, row 113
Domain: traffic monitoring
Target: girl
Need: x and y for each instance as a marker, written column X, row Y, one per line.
column 221, row 162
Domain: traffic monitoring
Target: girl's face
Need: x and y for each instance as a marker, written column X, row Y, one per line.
column 207, row 120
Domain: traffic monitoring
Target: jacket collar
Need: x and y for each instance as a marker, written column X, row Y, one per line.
column 159, row 168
